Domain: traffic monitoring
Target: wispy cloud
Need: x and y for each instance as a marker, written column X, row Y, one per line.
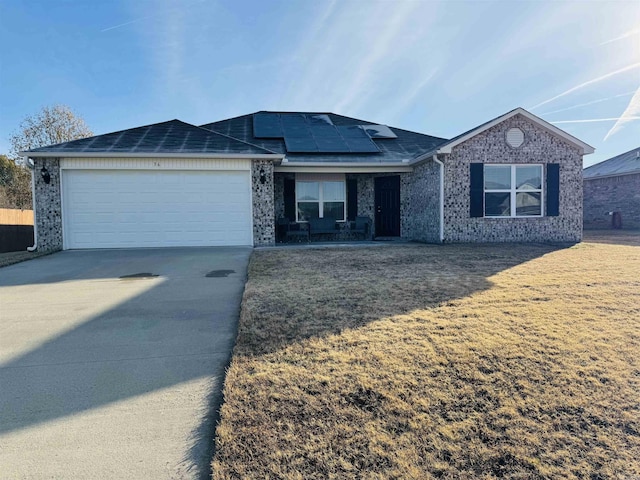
column 587, row 83
column 630, row 33
column 403, row 102
column 594, row 120
column 593, row 102
column 380, row 50
column 632, row 112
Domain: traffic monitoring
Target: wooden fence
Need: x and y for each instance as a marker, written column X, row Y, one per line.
column 16, row 229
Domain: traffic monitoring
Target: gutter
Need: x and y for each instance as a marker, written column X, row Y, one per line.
column 435, row 159
column 33, row 202
column 61, row 154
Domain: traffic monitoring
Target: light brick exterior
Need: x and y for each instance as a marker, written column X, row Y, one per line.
column 47, row 208
column 420, row 194
column 612, row 194
column 264, row 230
column 423, row 204
column 540, row 147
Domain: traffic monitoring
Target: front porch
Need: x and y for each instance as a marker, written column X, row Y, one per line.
column 339, row 207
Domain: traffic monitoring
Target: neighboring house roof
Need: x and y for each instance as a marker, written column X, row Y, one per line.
column 448, row 146
column 624, row 164
column 406, row 147
column 159, row 139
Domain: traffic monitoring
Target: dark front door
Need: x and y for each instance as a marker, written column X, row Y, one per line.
column 387, row 197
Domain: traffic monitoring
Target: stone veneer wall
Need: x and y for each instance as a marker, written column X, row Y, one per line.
column 490, row 147
column 264, row 230
column 612, row 194
column 423, row 214
column 47, row 208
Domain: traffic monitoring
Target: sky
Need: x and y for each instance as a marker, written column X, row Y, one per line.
column 435, row 67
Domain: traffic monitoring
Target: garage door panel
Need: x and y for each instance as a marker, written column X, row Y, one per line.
column 128, row 208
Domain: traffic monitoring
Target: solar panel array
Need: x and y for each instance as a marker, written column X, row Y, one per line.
column 315, row 133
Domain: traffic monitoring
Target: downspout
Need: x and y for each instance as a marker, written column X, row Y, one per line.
column 435, row 159
column 32, row 167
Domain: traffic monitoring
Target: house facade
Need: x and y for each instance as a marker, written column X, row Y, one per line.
column 613, row 186
column 233, row 182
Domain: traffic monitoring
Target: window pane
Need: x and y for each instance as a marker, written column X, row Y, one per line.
column 333, row 191
column 529, row 177
column 528, row 204
column 497, row 177
column 497, row 204
column 308, row 190
column 308, row 210
column 334, row 210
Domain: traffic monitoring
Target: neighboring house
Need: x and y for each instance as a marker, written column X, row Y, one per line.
column 514, row 178
column 613, row 186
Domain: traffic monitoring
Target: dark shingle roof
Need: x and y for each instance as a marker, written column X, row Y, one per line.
column 408, row 145
column 169, row 137
column 623, row 164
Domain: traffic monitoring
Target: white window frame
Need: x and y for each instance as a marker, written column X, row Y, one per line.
column 320, row 180
column 513, row 190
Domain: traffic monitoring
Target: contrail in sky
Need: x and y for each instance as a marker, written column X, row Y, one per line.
column 125, row 24
column 623, row 36
column 589, row 103
column 592, row 120
column 630, row 113
column 589, row 82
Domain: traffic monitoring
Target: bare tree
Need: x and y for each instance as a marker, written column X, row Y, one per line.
column 54, row 124
column 15, row 185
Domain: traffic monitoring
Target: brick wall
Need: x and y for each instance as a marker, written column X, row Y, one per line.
column 48, row 212
column 264, row 230
column 422, row 221
column 603, row 195
column 539, row 147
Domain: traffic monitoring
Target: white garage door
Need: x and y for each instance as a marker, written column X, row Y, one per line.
column 138, row 208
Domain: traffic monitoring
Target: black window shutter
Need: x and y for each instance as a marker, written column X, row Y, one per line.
column 290, row 199
column 553, row 189
column 477, row 189
column 352, row 198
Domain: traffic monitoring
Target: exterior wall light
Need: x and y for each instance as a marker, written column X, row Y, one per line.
column 46, row 177
column 263, row 176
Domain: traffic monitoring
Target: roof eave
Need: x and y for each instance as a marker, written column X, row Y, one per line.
column 59, row 154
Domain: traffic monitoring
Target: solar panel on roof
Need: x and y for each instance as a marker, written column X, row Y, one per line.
column 320, row 119
column 379, row 131
column 352, row 131
column 361, row 145
column 332, row 145
column 267, row 125
column 301, row 145
column 329, row 131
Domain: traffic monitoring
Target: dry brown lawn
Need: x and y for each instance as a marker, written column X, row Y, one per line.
column 418, row 362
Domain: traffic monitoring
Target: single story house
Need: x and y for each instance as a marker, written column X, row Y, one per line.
column 613, row 186
column 231, row 182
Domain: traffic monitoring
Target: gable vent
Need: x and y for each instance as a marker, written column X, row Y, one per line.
column 515, row 137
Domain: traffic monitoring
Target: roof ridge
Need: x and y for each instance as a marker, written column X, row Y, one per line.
column 103, row 134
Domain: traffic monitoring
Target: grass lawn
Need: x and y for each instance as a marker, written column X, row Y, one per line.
column 418, row 362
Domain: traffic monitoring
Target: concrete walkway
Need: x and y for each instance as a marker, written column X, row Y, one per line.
column 109, row 377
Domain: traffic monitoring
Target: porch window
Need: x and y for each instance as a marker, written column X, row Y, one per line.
column 320, row 196
column 513, row 191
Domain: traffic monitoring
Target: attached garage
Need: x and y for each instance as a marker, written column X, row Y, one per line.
column 127, row 203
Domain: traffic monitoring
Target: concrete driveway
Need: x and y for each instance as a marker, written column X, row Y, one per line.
column 109, row 377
